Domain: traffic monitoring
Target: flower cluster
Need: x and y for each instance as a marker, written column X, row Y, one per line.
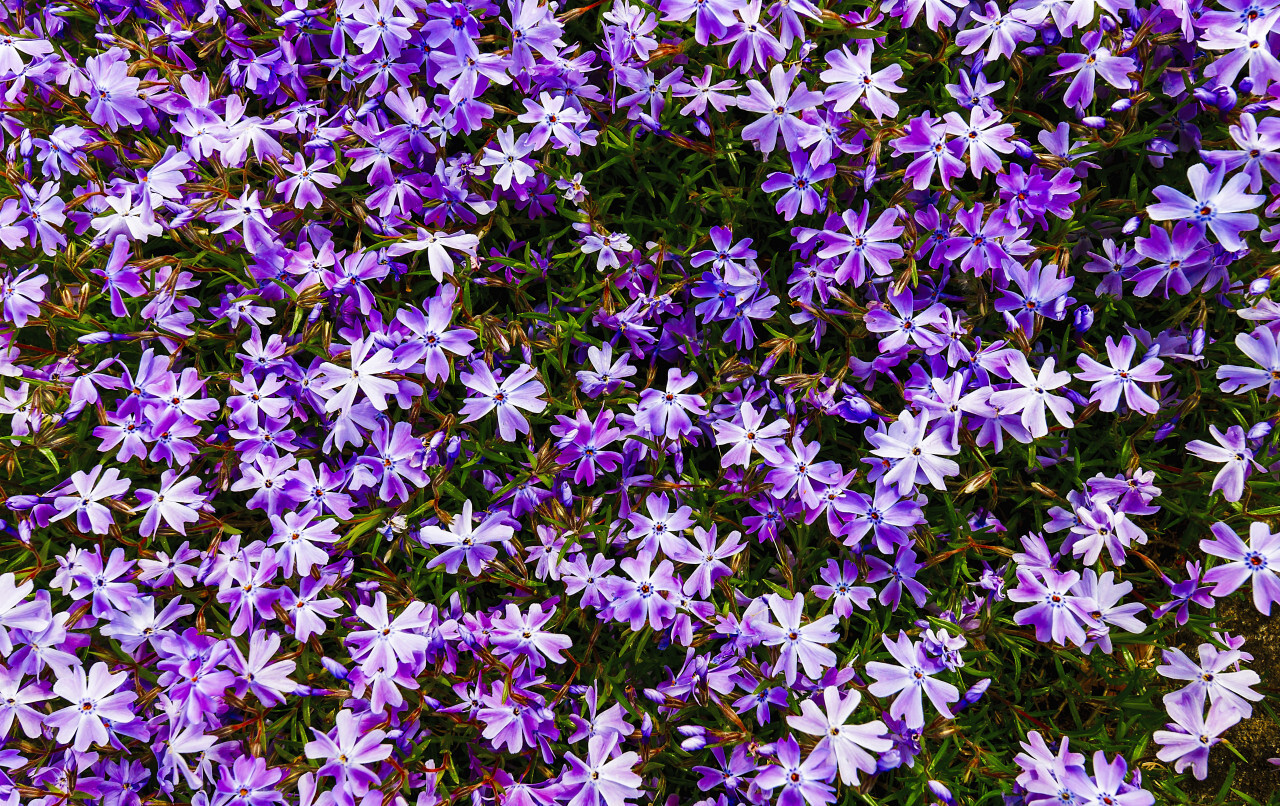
column 423, row 402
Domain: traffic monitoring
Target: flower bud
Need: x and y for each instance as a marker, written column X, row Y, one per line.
column 1152, row 352
column 1022, row 148
column 693, row 744
column 646, row 727
column 104, row 338
column 1082, row 319
column 1260, row 430
column 654, row 696
column 1245, row 85
column 1165, row 430
column 1050, row 36
column 1205, row 96
column 451, row 451
column 941, row 792
column 1131, row 226
column 1122, row 105
column 1093, row 122
column 334, row 668
column 1197, row 341
column 1032, row 51
column 1257, row 108
column 976, row 691
column 1260, row 286
column 1225, row 99
column 566, row 495
column 691, row 730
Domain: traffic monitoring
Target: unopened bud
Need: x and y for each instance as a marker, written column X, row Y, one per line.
column 976, row 691
column 1197, row 341
column 1082, row 319
column 941, row 792
column 334, row 668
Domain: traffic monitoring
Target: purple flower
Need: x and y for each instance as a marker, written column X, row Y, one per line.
column 903, row 323
column 388, row 643
column 300, row 536
column 778, row 108
column 605, row 375
column 437, row 245
column 21, row 295
column 1040, row 292
column 249, row 782
column 706, row 553
column 927, row 137
column 644, row 596
column 851, row 78
column 1191, row 733
column 798, row 471
column 754, row 45
column 911, row 679
column 1257, row 563
column 1259, row 148
column 583, row 441
column 113, row 93
column 803, row 643
column 1213, row 205
column 670, row 413
column 347, row 751
column 1096, row 61
column 901, row 573
column 1184, row 594
column 1211, row 678
column 841, row 590
column 1033, row 394
column 466, row 542
column 845, row 744
column 93, row 699
column 1121, row 379
column 519, row 391
column 802, row 783
column 302, row 188
column 1262, row 346
column 602, row 779
column 917, row 454
column 984, row 137
column 1056, row 612
column 1004, row 31
column 177, row 503
column 1107, row 784
column 865, row 246
column 1233, row 450
column 801, row 194
column 81, row 493
column 751, row 436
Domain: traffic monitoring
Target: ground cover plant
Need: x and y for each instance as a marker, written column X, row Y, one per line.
column 706, row 402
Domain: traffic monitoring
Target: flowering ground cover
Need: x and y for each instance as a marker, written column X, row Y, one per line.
column 602, row 404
